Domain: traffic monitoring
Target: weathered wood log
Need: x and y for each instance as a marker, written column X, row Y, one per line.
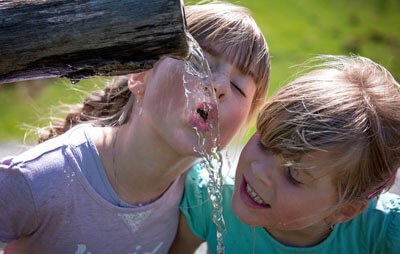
column 79, row 39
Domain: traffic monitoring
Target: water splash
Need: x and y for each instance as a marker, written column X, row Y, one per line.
column 203, row 108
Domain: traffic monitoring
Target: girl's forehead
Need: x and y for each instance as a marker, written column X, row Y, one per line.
column 218, row 52
column 232, row 56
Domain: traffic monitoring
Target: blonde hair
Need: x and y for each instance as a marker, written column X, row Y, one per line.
column 348, row 107
column 220, row 28
column 230, row 31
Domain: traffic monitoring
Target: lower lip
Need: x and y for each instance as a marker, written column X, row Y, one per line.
column 198, row 123
column 247, row 199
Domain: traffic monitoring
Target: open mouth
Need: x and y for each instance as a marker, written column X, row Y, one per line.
column 203, row 114
column 204, row 117
column 250, row 196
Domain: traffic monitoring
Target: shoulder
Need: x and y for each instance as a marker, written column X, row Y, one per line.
column 198, row 177
column 383, row 211
column 196, row 185
column 195, row 195
column 39, row 160
column 386, row 212
column 49, row 154
column 379, row 224
column 45, row 166
column 36, row 160
column 36, row 184
column 388, row 205
column 51, row 146
column 380, row 210
column 196, row 204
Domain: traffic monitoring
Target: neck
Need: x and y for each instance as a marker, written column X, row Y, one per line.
column 139, row 166
column 306, row 237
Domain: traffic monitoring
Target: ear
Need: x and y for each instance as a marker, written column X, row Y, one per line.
column 137, row 83
column 347, row 212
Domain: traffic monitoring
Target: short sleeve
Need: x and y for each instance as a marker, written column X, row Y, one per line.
column 392, row 239
column 17, row 209
column 195, row 204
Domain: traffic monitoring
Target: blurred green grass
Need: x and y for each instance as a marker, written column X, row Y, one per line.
column 26, row 106
column 295, row 31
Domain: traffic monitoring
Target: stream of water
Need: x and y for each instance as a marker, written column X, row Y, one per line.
column 202, row 105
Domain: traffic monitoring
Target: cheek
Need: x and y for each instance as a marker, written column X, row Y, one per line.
column 298, row 209
column 231, row 119
column 167, row 76
column 238, row 174
column 165, row 90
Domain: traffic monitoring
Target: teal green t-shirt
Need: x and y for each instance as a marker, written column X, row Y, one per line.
column 376, row 230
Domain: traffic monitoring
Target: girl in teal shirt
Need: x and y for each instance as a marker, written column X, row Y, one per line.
column 310, row 178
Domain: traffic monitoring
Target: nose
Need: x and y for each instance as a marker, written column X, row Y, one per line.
column 221, row 83
column 263, row 171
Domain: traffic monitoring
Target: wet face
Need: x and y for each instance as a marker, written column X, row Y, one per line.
column 164, row 103
column 272, row 195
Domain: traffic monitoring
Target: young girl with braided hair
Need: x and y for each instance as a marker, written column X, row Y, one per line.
column 112, row 179
column 310, row 179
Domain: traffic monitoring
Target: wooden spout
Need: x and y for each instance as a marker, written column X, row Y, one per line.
column 82, row 39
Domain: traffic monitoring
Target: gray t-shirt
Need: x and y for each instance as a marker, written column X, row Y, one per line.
column 47, row 205
column 89, row 161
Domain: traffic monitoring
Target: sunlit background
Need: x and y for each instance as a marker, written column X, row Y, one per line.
column 295, row 31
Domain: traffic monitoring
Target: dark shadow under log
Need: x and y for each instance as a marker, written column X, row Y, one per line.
column 85, row 38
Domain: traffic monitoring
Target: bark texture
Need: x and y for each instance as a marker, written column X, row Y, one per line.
column 79, row 39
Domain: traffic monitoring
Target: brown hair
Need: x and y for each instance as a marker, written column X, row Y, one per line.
column 220, row 28
column 348, row 107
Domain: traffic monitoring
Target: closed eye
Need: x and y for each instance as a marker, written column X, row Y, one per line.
column 238, row 89
column 290, row 177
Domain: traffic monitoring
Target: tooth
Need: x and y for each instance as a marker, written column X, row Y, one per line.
column 254, row 195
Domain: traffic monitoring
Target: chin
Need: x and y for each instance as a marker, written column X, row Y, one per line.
column 182, row 142
column 185, row 150
column 243, row 214
column 246, row 218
